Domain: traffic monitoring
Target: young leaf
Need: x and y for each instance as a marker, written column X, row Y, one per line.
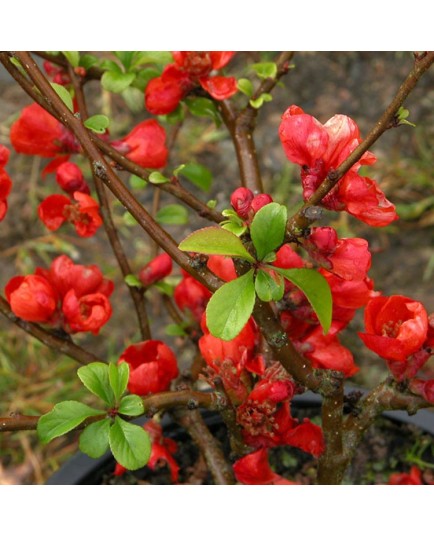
column 63, row 418
column 143, row 78
column 268, row 228
column 130, row 444
column 64, row 95
column 269, row 288
column 133, row 98
column 94, row 440
column 215, row 241
column 133, row 281
column 245, row 86
column 157, row 178
column 266, row 69
column 234, row 227
column 129, row 219
column 116, row 82
column 137, row 183
column 118, row 377
column 197, row 174
column 131, row 405
column 125, row 57
column 72, row 57
column 88, row 60
column 95, row 377
column 203, row 107
column 172, row 215
column 257, row 103
column 230, row 307
column 174, row 330
column 159, row 58
column 98, row 123
column 316, row 289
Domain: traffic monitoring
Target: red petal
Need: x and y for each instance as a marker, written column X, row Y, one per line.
column 220, row 59
column 219, row 87
column 51, row 211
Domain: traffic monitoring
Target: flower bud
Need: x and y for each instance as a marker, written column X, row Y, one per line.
column 157, row 269
column 70, row 178
column 260, row 201
column 241, row 199
column 31, row 298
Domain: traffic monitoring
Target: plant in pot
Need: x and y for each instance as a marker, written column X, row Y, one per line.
column 255, row 299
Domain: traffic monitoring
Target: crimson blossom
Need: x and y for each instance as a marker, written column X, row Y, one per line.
column 152, row 367
column 157, row 269
column 254, row 469
column 319, row 149
column 70, row 178
column 191, row 69
column 396, row 327
column 5, row 181
column 67, row 295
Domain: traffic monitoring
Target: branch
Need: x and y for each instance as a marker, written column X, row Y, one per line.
column 299, row 221
column 107, row 175
column 136, row 294
column 56, row 342
column 152, row 404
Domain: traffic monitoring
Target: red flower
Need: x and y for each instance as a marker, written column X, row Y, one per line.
column 70, row 178
column 423, row 388
column 56, row 209
column 86, row 313
column 37, row 132
column 326, row 352
column 396, row 327
column 222, row 267
column 157, row 269
column 246, row 204
column 240, row 350
column 5, row 181
column 190, row 295
column 145, row 145
column 152, row 367
column 321, row 148
column 190, row 69
column 413, row 478
column 254, row 469
column 31, row 298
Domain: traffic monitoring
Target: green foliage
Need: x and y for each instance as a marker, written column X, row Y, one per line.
column 203, row 107
column 269, row 288
column 131, row 405
column 230, row 307
column 64, row 417
column 118, row 378
column 97, row 123
column 157, row 178
column 64, row 94
column 265, row 69
column 257, row 103
column 94, row 440
column 268, row 228
column 173, row 214
column 234, row 223
column 95, row 377
column 72, row 57
column 133, row 281
column 116, row 82
column 245, row 86
column 130, row 444
column 215, row 241
column 197, row 174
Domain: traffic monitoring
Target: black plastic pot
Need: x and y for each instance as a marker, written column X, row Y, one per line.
column 81, row 469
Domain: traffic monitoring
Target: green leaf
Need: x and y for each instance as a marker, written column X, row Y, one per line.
column 212, row 203
column 215, row 241
column 153, row 56
column 95, row 377
column 72, row 57
column 137, row 183
column 118, row 377
column 64, row 95
column 131, row 405
column 203, row 107
column 245, row 86
column 88, row 60
column 230, row 307
column 177, row 170
column 174, row 330
column 174, row 117
column 266, row 69
column 164, row 288
column 268, row 228
column 316, row 290
column 129, row 219
column 98, row 123
column 257, row 103
column 133, row 281
column 94, row 440
column 197, row 174
column 157, row 178
column 269, row 288
column 172, row 215
column 234, row 227
column 125, row 58
column 130, row 444
column 116, row 82
column 17, row 64
column 143, row 78
column 110, row 65
column 134, row 99
column 63, row 418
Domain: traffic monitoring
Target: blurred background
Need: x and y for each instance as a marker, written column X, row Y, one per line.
column 358, row 84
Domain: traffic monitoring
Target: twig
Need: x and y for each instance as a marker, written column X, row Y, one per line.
column 136, row 294
column 60, row 344
column 298, row 222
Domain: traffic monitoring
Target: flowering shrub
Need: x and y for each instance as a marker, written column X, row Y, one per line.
column 262, row 292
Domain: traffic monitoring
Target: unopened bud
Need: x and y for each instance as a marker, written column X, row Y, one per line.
column 157, row 269
column 260, row 201
column 241, row 200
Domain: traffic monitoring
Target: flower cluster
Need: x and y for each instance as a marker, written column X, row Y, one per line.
column 319, row 149
column 191, row 69
column 67, row 295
